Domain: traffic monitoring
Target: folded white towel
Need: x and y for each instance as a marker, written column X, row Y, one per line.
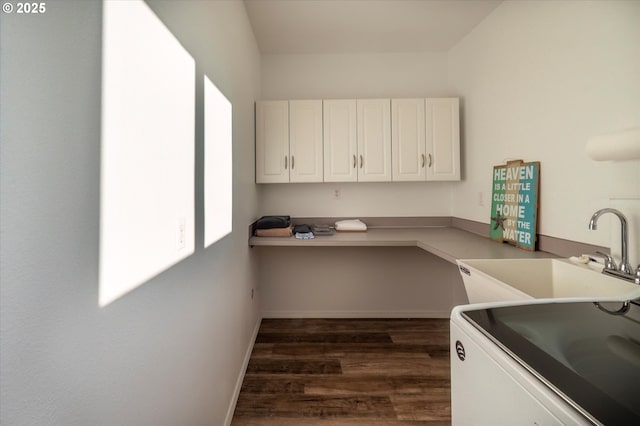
column 351, row 225
column 584, row 259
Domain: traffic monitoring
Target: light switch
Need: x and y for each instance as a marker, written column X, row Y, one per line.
column 181, row 233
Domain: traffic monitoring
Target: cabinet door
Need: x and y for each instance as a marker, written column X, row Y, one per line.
column 340, row 143
column 272, row 141
column 408, row 140
column 443, row 139
column 305, row 143
column 374, row 140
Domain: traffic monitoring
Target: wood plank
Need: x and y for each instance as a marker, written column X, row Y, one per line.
column 294, row 337
column 394, row 366
column 277, row 384
column 325, row 407
column 332, row 325
column 421, row 337
column 342, row 350
column 431, row 406
column 376, row 385
column 342, row 385
column 294, row 366
column 261, row 350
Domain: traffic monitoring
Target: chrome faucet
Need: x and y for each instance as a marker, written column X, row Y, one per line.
column 625, row 266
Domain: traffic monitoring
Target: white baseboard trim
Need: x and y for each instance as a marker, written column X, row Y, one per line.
column 245, row 364
column 356, row 314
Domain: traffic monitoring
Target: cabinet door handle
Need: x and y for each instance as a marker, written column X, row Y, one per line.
column 286, row 162
column 361, row 161
column 354, row 161
column 429, row 165
column 292, row 162
column 422, row 156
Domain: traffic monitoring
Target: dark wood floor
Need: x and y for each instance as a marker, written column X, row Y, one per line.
column 347, row 372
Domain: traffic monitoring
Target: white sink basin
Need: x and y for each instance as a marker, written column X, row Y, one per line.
column 518, row 279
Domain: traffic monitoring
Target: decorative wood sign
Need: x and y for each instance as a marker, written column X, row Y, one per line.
column 514, row 203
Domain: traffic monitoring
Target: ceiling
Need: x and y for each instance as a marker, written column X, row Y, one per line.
column 363, row 26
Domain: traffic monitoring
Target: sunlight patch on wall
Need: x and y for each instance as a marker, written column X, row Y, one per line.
column 148, row 138
column 218, row 173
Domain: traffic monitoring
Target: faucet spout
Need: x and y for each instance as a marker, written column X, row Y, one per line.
column 625, row 266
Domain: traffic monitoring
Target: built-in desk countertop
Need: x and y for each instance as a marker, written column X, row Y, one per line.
column 446, row 242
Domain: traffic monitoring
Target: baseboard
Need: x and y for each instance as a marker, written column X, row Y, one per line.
column 357, row 314
column 245, row 364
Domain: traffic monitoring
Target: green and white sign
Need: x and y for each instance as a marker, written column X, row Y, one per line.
column 514, row 203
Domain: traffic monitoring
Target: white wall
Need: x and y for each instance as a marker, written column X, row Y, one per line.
column 343, row 282
column 340, row 76
column 172, row 351
column 537, row 78
column 344, row 76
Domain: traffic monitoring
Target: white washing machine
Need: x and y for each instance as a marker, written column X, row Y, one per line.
column 545, row 363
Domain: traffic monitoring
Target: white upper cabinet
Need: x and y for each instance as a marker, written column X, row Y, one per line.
column 289, row 141
column 374, row 140
column 272, row 141
column 408, row 149
column 340, row 141
column 305, row 143
column 364, row 140
column 443, row 139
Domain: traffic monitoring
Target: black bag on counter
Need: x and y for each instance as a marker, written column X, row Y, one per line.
column 270, row 222
column 302, row 229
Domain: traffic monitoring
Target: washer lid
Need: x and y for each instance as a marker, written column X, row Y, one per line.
column 582, row 351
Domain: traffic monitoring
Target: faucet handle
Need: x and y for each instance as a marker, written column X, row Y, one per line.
column 609, row 263
column 637, row 280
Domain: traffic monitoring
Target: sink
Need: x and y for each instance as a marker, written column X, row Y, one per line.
column 494, row 280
